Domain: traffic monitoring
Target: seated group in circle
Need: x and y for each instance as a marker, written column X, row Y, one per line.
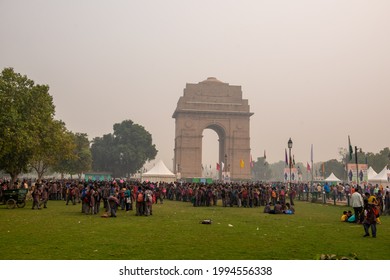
column 279, row 208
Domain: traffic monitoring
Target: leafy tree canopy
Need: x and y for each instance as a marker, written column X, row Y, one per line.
column 123, row 152
column 26, row 110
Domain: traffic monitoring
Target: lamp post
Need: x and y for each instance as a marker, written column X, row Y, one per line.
column 289, row 145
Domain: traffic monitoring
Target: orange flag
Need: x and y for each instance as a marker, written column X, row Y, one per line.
column 242, row 164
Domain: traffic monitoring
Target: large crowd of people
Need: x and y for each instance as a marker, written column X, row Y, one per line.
column 140, row 196
column 368, row 201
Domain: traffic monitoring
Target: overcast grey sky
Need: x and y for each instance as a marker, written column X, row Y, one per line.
column 315, row 71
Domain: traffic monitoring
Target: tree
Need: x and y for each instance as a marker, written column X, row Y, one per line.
column 26, row 109
column 261, row 170
column 56, row 145
column 277, row 170
column 380, row 160
column 334, row 166
column 123, row 152
column 79, row 160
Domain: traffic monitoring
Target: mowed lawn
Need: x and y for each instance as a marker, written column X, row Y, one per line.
column 174, row 232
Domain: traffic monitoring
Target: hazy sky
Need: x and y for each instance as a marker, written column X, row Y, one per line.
column 315, row 71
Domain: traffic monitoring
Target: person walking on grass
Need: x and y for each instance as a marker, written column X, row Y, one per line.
column 36, row 195
column 357, row 205
column 45, row 195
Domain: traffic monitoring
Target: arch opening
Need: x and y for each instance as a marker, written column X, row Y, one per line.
column 213, row 151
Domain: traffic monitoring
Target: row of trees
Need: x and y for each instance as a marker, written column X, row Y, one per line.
column 32, row 139
column 262, row 170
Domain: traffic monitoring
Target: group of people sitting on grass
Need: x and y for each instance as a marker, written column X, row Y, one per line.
column 279, row 208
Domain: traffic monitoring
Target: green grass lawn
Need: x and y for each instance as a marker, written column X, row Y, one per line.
column 174, row 231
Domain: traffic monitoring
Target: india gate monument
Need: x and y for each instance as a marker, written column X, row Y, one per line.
column 215, row 105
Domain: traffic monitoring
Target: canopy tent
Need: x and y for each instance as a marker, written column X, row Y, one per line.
column 332, row 178
column 159, row 173
column 382, row 177
column 371, row 173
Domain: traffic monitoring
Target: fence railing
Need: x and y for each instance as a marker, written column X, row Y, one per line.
column 325, row 198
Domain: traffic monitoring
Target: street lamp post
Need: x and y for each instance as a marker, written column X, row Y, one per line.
column 289, row 145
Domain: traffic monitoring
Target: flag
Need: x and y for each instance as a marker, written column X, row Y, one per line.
column 308, row 167
column 286, row 159
column 265, row 156
column 323, row 169
column 218, row 166
column 293, row 161
column 223, row 166
column 251, row 162
column 242, row 164
column 350, row 148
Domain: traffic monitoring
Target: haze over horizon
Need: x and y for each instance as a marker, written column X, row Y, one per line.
column 315, row 71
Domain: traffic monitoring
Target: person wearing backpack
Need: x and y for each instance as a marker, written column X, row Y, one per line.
column 140, row 202
column 128, row 199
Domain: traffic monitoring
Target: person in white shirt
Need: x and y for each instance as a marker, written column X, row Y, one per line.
column 357, row 204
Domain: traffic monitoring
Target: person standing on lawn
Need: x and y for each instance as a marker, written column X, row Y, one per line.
column 370, row 220
column 36, row 195
column 357, row 205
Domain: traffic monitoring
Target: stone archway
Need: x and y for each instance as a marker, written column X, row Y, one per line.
column 218, row 106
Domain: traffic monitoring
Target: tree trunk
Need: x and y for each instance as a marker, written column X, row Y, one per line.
column 14, row 177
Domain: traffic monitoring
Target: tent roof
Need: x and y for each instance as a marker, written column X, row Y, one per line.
column 382, row 176
column 371, row 173
column 159, row 169
column 332, row 178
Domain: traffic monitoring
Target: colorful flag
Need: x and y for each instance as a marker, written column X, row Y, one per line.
column 242, row 164
column 308, row 167
column 286, row 159
column 350, row 148
column 218, row 166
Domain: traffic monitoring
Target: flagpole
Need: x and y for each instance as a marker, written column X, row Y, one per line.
column 312, row 166
column 357, row 167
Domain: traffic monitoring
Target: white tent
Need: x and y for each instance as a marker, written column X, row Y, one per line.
column 332, row 178
column 382, row 177
column 159, row 173
column 371, row 173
